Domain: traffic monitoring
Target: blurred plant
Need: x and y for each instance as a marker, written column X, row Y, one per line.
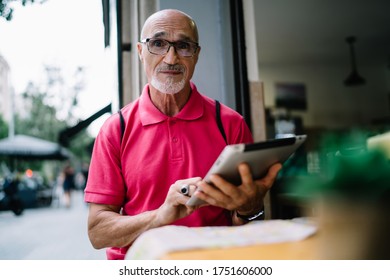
column 3, row 128
column 349, row 170
column 6, row 9
column 3, row 134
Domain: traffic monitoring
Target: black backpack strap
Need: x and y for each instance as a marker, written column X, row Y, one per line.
column 219, row 121
column 122, row 120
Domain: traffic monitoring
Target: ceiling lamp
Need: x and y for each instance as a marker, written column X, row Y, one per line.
column 354, row 79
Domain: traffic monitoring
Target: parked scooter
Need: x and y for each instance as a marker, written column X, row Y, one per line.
column 9, row 197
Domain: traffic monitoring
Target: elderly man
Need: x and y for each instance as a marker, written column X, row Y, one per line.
column 169, row 137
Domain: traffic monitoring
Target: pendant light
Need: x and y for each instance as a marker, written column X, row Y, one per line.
column 354, row 79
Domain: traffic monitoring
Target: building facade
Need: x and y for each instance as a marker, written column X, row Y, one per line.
column 5, row 90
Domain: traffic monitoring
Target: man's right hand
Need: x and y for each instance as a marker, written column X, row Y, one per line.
column 108, row 228
column 174, row 206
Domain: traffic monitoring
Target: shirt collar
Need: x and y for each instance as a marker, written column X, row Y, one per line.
column 149, row 114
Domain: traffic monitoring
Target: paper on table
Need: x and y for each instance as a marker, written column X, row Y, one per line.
column 156, row 243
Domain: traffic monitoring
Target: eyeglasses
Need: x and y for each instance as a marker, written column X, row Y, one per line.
column 161, row 47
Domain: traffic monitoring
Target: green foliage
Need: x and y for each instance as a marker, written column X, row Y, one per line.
column 38, row 119
column 3, row 128
column 349, row 170
column 3, row 133
column 80, row 146
column 45, row 110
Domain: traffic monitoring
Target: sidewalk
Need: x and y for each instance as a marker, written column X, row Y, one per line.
column 52, row 233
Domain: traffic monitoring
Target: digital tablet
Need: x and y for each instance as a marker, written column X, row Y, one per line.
column 260, row 156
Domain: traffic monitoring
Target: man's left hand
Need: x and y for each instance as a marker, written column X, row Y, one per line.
column 246, row 198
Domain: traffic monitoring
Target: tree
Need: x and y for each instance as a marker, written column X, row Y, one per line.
column 62, row 91
column 37, row 118
column 3, row 134
column 3, row 128
column 49, row 108
column 6, row 9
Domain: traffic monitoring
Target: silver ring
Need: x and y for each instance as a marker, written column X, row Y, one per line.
column 185, row 189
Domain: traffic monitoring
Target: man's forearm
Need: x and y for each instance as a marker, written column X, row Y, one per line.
column 110, row 229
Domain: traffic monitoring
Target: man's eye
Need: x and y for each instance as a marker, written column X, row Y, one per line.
column 183, row 45
column 158, row 43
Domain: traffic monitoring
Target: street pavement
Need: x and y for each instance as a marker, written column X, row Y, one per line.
column 49, row 233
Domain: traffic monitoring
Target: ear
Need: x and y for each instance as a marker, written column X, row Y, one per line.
column 196, row 56
column 140, row 54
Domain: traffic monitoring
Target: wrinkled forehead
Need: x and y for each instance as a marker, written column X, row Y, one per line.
column 171, row 27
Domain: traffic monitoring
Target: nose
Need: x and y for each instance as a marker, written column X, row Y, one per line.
column 171, row 57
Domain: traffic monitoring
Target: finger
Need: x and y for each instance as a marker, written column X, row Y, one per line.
column 270, row 177
column 224, row 196
column 234, row 196
column 187, row 189
column 206, row 198
column 246, row 175
column 192, row 180
column 221, row 187
column 183, row 186
column 275, row 168
column 209, row 193
column 182, row 199
column 192, row 189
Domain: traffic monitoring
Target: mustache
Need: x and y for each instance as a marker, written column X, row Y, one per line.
column 176, row 67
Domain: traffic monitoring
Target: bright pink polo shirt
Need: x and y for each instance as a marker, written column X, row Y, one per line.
column 156, row 151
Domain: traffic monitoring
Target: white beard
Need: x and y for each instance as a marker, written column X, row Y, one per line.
column 168, row 86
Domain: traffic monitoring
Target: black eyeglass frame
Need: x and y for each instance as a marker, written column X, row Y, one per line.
column 171, row 44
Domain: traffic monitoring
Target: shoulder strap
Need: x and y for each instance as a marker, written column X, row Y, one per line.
column 122, row 120
column 219, row 121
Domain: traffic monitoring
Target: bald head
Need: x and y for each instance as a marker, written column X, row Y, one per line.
column 167, row 18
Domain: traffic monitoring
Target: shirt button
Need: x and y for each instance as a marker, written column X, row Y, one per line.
column 174, row 139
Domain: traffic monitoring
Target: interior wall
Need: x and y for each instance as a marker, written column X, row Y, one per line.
column 214, row 71
column 330, row 103
column 305, row 42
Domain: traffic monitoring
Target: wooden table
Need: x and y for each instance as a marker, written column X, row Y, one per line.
column 300, row 250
